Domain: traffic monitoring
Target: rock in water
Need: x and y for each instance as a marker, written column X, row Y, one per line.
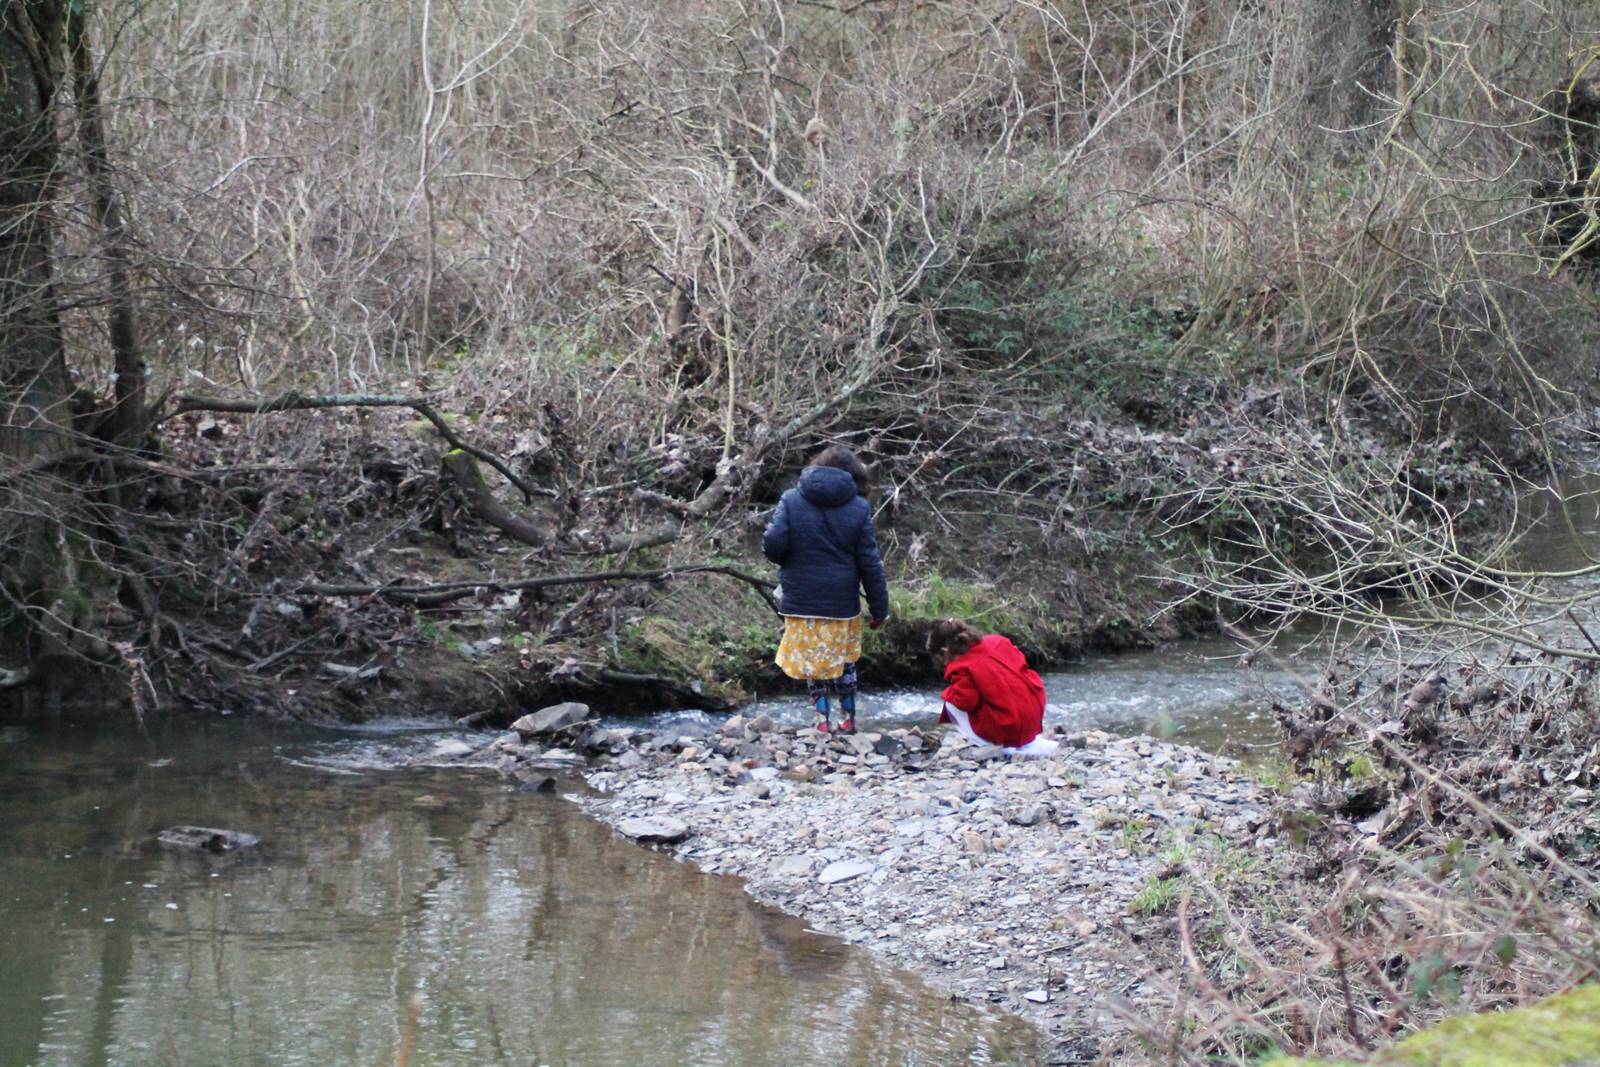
column 206, row 839
column 549, row 720
column 653, row 829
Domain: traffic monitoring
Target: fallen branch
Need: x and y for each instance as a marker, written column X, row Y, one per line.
column 463, row 470
column 77, row 456
column 434, row 594
column 293, row 401
column 650, row 537
column 347, row 672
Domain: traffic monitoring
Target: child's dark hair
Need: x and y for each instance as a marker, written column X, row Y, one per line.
column 951, row 637
column 846, row 460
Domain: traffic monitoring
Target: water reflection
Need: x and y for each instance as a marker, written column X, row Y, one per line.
column 529, row 933
column 1561, row 533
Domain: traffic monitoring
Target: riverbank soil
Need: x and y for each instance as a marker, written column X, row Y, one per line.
column 328, row 565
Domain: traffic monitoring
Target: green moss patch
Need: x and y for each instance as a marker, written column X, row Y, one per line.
column 1563, row 1031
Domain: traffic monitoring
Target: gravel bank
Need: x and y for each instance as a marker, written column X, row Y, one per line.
column 1042, row 885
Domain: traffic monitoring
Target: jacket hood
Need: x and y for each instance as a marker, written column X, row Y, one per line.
column 991, row 646
column 1002, row 649
column 827, row 487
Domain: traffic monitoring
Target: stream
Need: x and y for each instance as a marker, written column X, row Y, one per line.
column 1194, row 693
column 527, row 933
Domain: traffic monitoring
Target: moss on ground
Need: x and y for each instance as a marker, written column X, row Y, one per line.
column 1563, row 1031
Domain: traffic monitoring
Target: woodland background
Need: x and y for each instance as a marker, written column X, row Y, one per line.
column 1139, row 309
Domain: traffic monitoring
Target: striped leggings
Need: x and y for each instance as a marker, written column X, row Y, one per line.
column 822, row 691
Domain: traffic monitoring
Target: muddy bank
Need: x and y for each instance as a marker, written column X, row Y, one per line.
column 1043, row 885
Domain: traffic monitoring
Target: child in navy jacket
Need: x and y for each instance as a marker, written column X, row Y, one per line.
column 822, row 540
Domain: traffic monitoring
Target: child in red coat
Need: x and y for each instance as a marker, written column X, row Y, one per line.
column 991, row 694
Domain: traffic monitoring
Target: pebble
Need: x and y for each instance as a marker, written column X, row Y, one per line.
column 1031, row 815
column 792, row 866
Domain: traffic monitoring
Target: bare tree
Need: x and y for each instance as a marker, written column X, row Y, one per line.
column 34, row 418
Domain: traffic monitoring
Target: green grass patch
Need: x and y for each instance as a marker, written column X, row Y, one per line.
column 1158, row 897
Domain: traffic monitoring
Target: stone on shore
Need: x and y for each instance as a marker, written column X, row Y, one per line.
column 843, row 871
column 1031, row 815
column 654, row 829
column 1562, row 1031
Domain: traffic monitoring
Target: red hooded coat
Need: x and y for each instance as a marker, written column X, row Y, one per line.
column 992, row 682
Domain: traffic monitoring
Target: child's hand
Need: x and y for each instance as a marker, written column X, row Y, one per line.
column 873, row 624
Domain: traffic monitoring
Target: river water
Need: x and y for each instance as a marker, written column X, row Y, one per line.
column 526, row 933
column 1195, row 693
column 529, row 933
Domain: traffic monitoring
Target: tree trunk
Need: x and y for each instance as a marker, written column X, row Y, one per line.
column 33, row 380
column 128, row 419
column 34, row 418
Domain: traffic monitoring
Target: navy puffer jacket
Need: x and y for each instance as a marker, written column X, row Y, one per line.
column 822, row 540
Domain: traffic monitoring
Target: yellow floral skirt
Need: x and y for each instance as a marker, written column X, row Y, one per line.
column 818, row 649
